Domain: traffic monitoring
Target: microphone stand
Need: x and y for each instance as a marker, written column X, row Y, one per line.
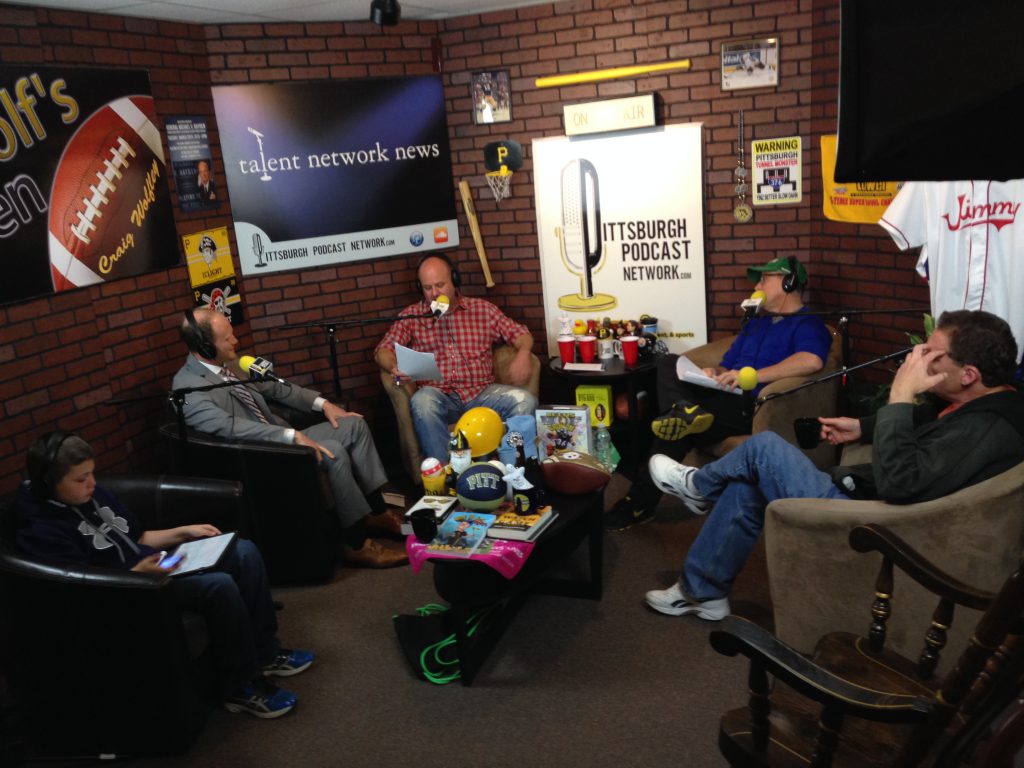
column 843, row 322
column 331, row 327
column 828, row 376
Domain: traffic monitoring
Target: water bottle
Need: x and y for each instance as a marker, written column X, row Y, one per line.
column 603, row 446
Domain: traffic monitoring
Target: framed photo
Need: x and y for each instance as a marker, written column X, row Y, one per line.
column 492, row 97
column 750, row 64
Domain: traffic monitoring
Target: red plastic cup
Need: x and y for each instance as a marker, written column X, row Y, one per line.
column 630, row 349
column 588, row 349
column 567, row 349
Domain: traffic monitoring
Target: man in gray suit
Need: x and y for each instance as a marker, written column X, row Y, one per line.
column 343, row 442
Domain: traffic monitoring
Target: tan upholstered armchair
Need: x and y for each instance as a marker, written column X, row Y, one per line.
column 412, row 457
column 778, row 415
column 817, row 582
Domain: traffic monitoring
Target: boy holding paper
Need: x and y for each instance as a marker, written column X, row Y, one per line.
column 64, row 517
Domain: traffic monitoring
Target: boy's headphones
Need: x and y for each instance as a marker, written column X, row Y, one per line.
column 456, row 278
column 794, row 280
column 198, row 338
column 40, row 464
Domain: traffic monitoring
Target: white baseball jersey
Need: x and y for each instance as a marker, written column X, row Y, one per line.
column 972, row 245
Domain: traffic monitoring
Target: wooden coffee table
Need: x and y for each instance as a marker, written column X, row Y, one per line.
column 469, row 585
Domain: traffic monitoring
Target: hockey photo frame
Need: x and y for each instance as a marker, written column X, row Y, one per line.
column 750, row 64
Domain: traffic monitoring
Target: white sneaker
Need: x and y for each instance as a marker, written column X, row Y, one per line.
column 675, row 478
column 673, row 602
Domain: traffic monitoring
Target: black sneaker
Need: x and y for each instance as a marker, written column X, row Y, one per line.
column 682, row 419
column 625, row 514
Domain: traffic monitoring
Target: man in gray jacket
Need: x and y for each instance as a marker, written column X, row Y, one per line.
column 343, row 442
column 919, row 453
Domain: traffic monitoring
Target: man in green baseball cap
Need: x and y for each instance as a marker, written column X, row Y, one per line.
column 777, row 339
column 782, row 266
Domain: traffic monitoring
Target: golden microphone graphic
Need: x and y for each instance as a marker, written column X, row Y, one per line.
column 579, row 237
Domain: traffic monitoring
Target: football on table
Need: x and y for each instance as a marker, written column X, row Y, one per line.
column 574, row 472
column 481, row 487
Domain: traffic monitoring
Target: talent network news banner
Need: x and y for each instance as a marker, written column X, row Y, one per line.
column 335, row 171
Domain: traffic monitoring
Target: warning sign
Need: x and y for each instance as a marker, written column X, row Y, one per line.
column 778, row 171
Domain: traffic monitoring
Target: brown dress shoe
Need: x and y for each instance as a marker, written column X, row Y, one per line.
column 376, row 554
column 388, row 521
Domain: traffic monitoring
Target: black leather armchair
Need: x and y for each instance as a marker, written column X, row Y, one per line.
column 100, row 661
column 289, row 506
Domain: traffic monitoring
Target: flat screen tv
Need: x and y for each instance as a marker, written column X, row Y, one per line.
column 931, row 90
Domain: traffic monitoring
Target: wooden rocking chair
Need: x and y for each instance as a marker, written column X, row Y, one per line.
column 854, row 703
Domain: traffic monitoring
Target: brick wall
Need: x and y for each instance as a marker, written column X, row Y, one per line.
column 63, row 356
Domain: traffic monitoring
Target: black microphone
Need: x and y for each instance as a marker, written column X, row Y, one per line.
column 259, row 368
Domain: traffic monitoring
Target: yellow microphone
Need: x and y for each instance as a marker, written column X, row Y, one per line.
column 747, row 379
column 258, row 368
column 752, row 305
column 440, row 305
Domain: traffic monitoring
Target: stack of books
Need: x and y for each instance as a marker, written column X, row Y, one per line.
column 515, row 527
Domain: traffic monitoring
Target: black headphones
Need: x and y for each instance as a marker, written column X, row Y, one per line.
column 792, row 281
column 198, row 338
column 40, row 463
column 456, row 277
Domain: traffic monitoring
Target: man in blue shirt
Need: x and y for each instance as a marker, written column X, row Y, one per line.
column 782, row 343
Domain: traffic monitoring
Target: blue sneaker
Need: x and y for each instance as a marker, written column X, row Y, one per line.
column 289, row 662
column 261, row 698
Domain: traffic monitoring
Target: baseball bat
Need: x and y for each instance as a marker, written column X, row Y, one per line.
column 474, row 227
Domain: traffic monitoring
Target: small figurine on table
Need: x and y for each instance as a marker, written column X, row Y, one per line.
column 525, row 497
column 459, row 452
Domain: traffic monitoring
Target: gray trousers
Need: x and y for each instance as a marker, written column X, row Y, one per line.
column 355, row 470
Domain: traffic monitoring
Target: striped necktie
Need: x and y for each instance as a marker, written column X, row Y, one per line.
column 242, row 393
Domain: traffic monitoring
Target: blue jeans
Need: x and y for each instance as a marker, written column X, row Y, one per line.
column 741, row 484
column 433, row 410
column 236, row 605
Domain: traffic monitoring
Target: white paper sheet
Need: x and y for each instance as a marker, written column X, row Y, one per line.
column 688, row 371
column 419, row 366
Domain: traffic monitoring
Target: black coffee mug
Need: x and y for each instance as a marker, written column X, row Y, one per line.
column 808, row 432
column 424, row 524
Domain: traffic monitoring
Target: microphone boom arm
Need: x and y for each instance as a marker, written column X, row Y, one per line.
column 828, row 376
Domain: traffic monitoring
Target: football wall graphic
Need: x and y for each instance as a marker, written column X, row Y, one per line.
column 83, row 180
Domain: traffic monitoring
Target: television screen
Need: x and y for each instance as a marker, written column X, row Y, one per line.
column 930, row 90
column 336, row 170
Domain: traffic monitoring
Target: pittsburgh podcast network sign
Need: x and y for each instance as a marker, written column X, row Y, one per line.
column 336, row 171
column 621, row 229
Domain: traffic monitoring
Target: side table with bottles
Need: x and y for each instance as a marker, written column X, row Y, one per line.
column 632, row 435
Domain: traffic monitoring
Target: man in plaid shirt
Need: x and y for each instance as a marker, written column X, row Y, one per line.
column 461, row 340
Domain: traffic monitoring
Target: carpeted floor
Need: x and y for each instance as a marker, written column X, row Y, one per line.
column 572, row 682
